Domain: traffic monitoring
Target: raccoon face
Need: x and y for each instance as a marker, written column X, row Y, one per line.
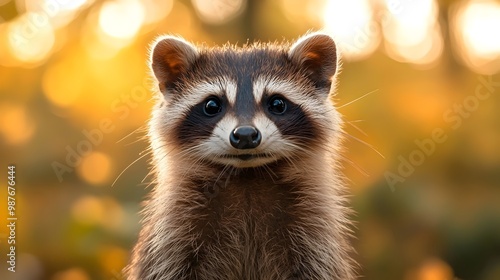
column 245, row 107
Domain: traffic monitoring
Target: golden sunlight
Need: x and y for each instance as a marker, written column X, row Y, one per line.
column 475, row 28
column 352, row 24
column 218, row 11
column 88, row 210
column 60, row 88
column 16, row 127
column 56, row 13
column 103, row 211
column 50, row 6
column 115, row 215
column 75, row 273
column 97, row 44
column 6, row 58
column 425, row 52
column 95, row 168
column 121, row 19
column 411, row 31
column 303, row 12
column 435, row 269
column 113, row 258
column 29, row 41
column 156, row 10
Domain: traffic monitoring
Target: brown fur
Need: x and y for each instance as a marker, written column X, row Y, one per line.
column 284, row 220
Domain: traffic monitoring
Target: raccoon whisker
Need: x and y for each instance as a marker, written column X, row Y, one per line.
column 267, row 170
column 357, row 128
column 134, row 142
column 191, row 150
column 150, row 172
column 187, row 151
column 288, row 158
column 290, row 161
column 305, row 147
column 299, row 146
column 190, row 169
column 357, row 99
column 220, row 145
column 145, row 152
column 357, row 139
column 272, row 150
column 121, row 173
column 142, row 128
column 356, row 121
column 226, row 167
column 271, row 173
column 355, row 166
column 365, row 143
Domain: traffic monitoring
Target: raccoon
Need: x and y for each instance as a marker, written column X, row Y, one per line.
column 245, row 144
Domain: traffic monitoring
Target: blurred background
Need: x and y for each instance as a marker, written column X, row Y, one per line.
column 419, row 91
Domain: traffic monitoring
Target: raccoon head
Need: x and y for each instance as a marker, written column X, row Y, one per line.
column 245, row 107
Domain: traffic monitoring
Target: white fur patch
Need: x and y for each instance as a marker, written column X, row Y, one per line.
column 204, row 89
column 289, row 89
column 218, row 148
column 268, row 130
column 231, row 89
column 272, row 140
column 218, row 143
column 259, row 86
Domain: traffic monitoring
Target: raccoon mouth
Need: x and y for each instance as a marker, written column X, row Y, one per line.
column 246, row 156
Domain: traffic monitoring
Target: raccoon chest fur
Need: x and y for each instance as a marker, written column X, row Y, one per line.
column 249, row 221
column 252, row 202
column 245, row 145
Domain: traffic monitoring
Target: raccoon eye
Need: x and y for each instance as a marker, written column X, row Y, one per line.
column 212, row 107
column 277, row 105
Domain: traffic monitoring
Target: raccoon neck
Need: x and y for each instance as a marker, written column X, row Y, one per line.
column 205, row 181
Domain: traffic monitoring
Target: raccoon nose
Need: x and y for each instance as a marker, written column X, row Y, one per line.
column 245, row 137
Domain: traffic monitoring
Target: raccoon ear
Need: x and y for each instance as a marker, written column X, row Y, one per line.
column 317, row 55
column 170, row 58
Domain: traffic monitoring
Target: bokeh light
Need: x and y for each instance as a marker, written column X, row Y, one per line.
column 97, row 44
column 434, row 269
column 74, row 273
column 52, row 12
column 88, row 210
column 303, row 13
column 156, row 10
column 113, row 258
column 6, row 58
column 352, row 25
column 424, row 52
column 121, row 19
column 60, row 88
column 218, row 11
column 69, row 66
column 101, row 211
column 95, row 168
column 411, row 31
column 16, row 126
column 30, row 42
column 475, row 30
